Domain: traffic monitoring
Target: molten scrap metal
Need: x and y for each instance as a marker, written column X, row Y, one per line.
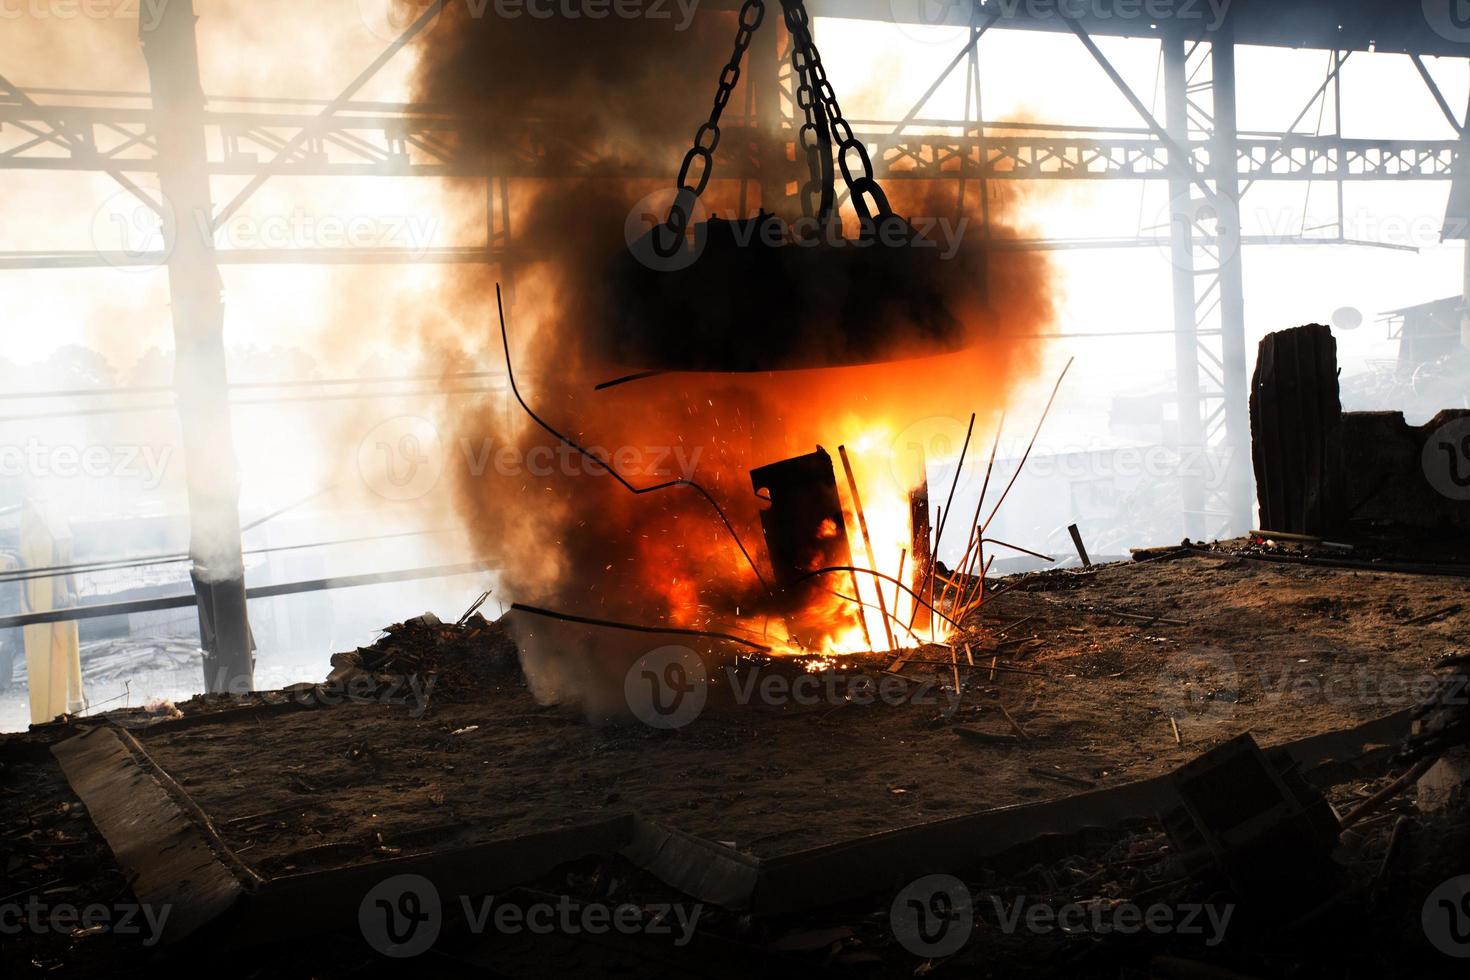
column 806, row 529
column 804, row 525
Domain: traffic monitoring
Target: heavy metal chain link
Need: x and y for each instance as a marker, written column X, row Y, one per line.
column 824, row 121
column 707, row 137
column 816, row 96
column 818, row 199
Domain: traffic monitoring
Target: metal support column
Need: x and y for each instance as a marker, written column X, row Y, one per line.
column 172, row 55
column 1191, row 435
column 1465, row 299
column 1232, row 288
column 1458, row 223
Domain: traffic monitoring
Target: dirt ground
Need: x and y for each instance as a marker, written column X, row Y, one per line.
column 1102, row 662
column 1278, row 650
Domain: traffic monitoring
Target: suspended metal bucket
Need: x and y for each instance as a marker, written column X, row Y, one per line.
column 754, row 295
column 757, row 295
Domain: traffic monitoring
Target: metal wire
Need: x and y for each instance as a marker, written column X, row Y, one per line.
column 516, row 391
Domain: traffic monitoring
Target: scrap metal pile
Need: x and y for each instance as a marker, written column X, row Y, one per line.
column 451, row 662
column 1442, row 720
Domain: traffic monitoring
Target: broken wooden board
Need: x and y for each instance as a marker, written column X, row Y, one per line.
column 174, row 865
column 705, row 869
column 866, row 865
column 168, row 859
column 332, row 899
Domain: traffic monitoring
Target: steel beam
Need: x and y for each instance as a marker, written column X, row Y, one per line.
column 1439, row 98
column 1360, row 25
column 427, row 18
column 1175, row 151
column 158, row 603
column 419, row 144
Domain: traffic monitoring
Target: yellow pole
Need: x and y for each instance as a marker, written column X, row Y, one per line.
column 53, row 654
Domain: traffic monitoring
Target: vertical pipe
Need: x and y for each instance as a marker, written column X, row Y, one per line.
column 1465, row 275
column 172, row 54
column 1181, row 257
column 980, row 134
column 1232, row 285
column 1465, row 298
column 1337, row 128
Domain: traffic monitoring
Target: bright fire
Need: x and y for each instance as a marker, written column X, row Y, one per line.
column 579, row 541
column 666, row 556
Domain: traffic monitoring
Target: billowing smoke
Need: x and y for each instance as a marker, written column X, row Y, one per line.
column 552, row 99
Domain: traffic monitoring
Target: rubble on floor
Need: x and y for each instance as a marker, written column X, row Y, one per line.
column 118, row 658
column 456, row 662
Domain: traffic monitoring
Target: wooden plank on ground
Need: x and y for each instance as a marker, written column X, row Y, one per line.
column 168, row 859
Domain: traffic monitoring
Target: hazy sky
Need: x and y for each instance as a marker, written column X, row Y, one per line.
column 1033, row 75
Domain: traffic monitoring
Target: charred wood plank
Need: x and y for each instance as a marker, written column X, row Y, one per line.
column 1296, row 431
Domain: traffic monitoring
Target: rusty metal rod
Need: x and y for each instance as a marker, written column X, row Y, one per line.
column 948, row 506
column 857, row 505
column 869, row 605
column 608, row 467
column 1388, row 792
column 979, row 596
column 633, row 627
column 976, row 532
column 1029, row 446
column 902, row 557
column 887, row 578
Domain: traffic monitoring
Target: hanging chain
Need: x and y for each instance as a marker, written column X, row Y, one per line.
column 824, row 121
column 707, row 137
column 818, row 199
column 815, row 138
column 816, row 95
